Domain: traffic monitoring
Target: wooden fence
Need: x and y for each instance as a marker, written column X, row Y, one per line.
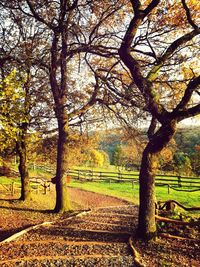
column 176, row 181
column 38, row 185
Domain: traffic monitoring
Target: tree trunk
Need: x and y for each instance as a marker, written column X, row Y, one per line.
column 62, row 195
column 147, row 223
column 23, row 168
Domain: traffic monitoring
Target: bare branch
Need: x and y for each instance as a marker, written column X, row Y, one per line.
column 151, row 6
column 152, row 75
column 188, row 14
column 37, row 16
column 90, row 103
column 192, row 85
column 188, row 113
column 136, row 4
column 133, row 65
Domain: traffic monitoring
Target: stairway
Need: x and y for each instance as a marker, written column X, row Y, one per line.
column 95, row 238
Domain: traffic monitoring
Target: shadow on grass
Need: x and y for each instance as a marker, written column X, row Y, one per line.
column 27, row 209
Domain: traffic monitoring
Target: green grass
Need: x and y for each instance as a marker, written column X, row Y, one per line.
column 110, row 168
column 40, row 174
column 6, row 180
column 125, row 191
column 120, row 190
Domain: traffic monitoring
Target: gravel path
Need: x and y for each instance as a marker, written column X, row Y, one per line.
column 97, row 238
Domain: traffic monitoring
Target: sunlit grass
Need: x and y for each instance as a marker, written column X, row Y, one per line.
column 37, row 173
column 128, row 192
column 8, row 180
column 120, row 190
column 109, row 168
column 124, row 190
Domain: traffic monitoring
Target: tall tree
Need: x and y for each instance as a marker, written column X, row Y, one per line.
column 74, row 30
column 19, row 52
column 169, row 98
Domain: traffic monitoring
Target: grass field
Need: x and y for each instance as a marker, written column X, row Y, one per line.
column 125, row 191
column 7, row 180
column 40, row 174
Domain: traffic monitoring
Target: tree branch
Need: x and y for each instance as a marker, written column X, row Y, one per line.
column 188, row 113
column 151, row 6
column 38, row 17
column 188, row 14
column 192, row 85
column 152, row 75
column 141, row 82
column 89, row 104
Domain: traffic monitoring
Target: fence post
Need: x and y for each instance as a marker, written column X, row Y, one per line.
column 179, row 181
column 12, row 189
column 45, row 189
column 45, row 186
column 119, row 174
column 168, row 188
column 37, row 189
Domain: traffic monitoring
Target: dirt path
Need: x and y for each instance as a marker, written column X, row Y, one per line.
column 15, row 215
column 97, row 238
column 86, row 199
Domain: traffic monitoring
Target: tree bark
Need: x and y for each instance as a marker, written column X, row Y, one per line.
column 147, row 222
column 23, row 168
column 62, row 195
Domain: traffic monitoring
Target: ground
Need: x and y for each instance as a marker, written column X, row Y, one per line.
column 16, row 216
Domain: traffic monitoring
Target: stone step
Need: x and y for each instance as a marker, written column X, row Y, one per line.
column 70, row 234
column 75, row 261
column 100, row 226
column 101, row 219
column 49, row 248
column 113, row 215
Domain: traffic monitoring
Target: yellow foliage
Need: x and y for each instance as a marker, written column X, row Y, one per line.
column 166, row 154
column 97, row 158
column 11, row 107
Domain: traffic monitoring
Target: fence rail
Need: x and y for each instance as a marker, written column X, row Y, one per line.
column 37, row 185
column 175, row 182
column 161, row 179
